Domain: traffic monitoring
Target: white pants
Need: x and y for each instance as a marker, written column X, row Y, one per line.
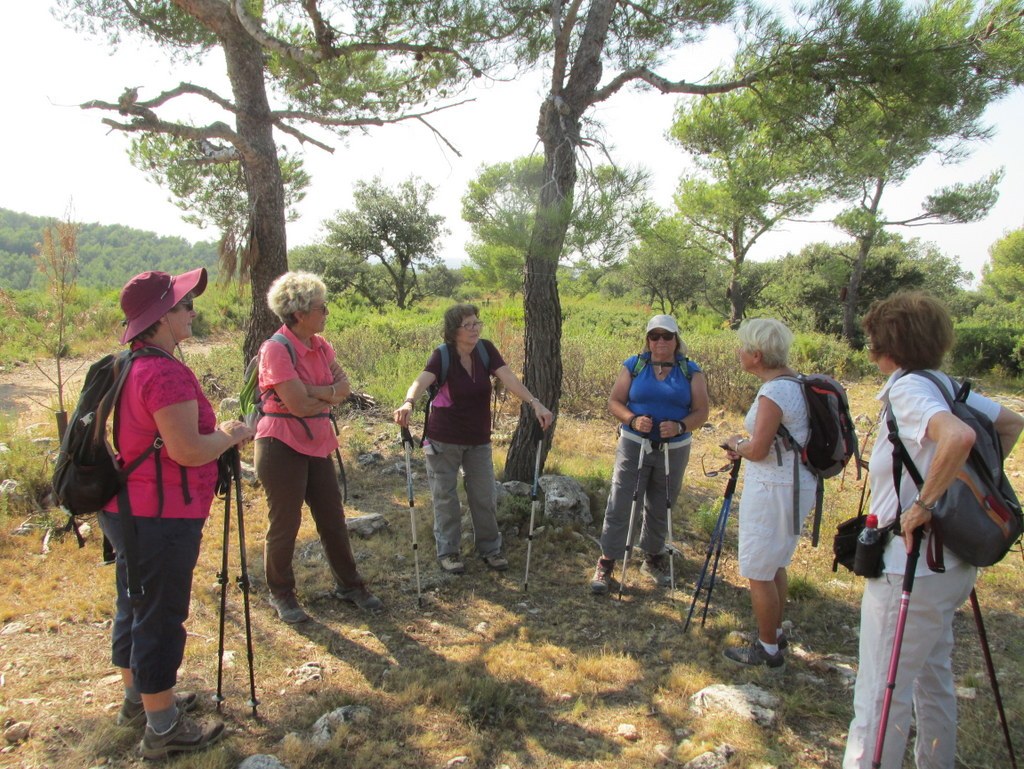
column 924, row 678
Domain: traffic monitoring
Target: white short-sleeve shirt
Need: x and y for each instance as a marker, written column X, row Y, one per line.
column 789, row 397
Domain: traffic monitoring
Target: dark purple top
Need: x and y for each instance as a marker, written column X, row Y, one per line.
column 461, row 411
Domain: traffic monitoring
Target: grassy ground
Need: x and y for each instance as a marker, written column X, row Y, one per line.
column 484, row 670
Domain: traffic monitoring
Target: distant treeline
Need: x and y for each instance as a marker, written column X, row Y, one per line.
column 109, row 254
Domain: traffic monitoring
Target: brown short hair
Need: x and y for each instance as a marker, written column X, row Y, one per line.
column 453, row 318
column 911, row 327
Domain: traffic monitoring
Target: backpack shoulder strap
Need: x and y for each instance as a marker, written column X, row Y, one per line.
column 446, row 361
column 642, row 359
column 485, row 356
column 684, row 365
column 282, row 339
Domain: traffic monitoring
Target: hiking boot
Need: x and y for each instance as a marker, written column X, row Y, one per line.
column 602, row 581
column 360, row 596
column 452, row 564
column 184, row 737
column 755, row 654
column 288, row 609
column 133, row 714
column 656, row 566
column 497, row 561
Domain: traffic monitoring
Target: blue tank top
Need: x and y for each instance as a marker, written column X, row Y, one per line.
column 670, row 398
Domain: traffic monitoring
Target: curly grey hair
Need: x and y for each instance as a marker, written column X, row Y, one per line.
column 770, row 337
column 295, row 292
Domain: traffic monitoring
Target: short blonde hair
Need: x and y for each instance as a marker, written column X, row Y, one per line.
column 295, row 292
column 770, row 337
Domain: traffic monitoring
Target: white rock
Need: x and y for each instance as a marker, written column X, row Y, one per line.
column 628, row 732
column 746, row 701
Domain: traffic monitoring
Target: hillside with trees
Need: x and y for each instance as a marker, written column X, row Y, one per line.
column 108, row 254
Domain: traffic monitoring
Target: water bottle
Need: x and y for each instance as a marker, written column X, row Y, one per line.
column 869, row 534
column 867, row 561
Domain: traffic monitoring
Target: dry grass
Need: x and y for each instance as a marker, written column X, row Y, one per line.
column 540, row 679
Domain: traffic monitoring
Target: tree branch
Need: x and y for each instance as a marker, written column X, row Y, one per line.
column 665, row 85
column 326, row 49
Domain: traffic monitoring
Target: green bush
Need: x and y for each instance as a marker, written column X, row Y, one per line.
column 980, row 349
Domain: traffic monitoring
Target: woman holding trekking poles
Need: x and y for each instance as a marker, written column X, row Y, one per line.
column 768, row 535
column 659, row 397
column 163, row 419
column 457, row 434
column 907, row 332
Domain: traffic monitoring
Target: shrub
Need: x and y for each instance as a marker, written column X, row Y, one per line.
column 980, row 349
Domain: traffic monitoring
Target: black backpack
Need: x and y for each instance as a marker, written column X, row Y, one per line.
column 87, row 474
column 831, row 444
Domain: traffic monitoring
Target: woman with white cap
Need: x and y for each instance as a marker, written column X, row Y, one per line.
column 163, row 416
column 660, row 396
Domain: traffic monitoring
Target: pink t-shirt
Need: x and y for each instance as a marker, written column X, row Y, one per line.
column 312, row 366
column 153, row 383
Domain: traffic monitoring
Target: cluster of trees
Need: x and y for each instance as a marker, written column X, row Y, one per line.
column 875, row 85
column 108, row 254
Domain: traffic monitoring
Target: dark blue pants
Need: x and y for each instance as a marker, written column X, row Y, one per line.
column 149, row 637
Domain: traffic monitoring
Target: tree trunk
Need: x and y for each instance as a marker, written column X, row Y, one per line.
column 542, row 307
column 268, row 243
column 865, row 240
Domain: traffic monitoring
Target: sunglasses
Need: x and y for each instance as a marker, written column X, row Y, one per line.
column 713, row 473
column 664, row 336
column 184, row 304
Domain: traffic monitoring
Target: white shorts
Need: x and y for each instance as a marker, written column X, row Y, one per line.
column 767, row 541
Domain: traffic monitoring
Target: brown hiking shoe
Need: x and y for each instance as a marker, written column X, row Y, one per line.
column 657, row 568
column 185, row 736
column 133, row 714
column 602, row 581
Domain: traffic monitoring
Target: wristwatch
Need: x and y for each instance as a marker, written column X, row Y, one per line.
column 929, row 508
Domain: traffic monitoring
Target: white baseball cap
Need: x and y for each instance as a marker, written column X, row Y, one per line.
column 666, row 322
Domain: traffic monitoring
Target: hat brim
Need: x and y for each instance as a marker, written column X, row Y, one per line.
column 193, row 280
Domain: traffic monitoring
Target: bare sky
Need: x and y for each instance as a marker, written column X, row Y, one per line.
column 58, row 155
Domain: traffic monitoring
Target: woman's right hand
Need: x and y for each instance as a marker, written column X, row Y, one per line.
column 401, row 415
column 642, row 424
column 238, row 432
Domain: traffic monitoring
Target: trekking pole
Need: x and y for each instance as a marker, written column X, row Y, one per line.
column 539, row 433
column 223, row 487
column 714, row 546
column 897, row 643
column 644, row 446
column 407, row 443
column 243, row 576
column 668, row 521
column 987, row 653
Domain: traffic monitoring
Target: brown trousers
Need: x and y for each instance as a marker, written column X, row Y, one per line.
column 289, row 478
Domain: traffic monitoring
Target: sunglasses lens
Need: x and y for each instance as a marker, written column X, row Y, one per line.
column 654, row 336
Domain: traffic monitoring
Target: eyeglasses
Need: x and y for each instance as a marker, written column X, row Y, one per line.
column 322, row 308
column 713, row 473
column 473, row 325
column 184, row 304
column 664, row 336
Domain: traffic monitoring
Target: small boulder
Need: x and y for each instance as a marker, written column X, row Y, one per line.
column 565, row 502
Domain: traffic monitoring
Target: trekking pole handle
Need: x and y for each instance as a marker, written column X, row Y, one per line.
column 538, row 432
column 406, row 436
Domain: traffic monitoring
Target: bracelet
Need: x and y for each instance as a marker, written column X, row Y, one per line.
column 740, row 441
column 928, row 508
column 632, row 419
column 534, row 399
column 334, row 393
column 410, row 401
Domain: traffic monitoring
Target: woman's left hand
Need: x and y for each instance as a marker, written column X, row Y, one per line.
column 669, row 428
column 543, row 414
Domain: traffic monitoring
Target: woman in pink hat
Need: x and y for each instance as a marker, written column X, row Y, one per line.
column 167, row 428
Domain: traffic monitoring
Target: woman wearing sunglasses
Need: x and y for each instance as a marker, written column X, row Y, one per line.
column 767, row 536
column 458, row 435
column 295, row 441
column 660, row 396
column 166, row 428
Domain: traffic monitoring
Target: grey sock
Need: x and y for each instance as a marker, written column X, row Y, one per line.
column 161, row 721
column 131, row 693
